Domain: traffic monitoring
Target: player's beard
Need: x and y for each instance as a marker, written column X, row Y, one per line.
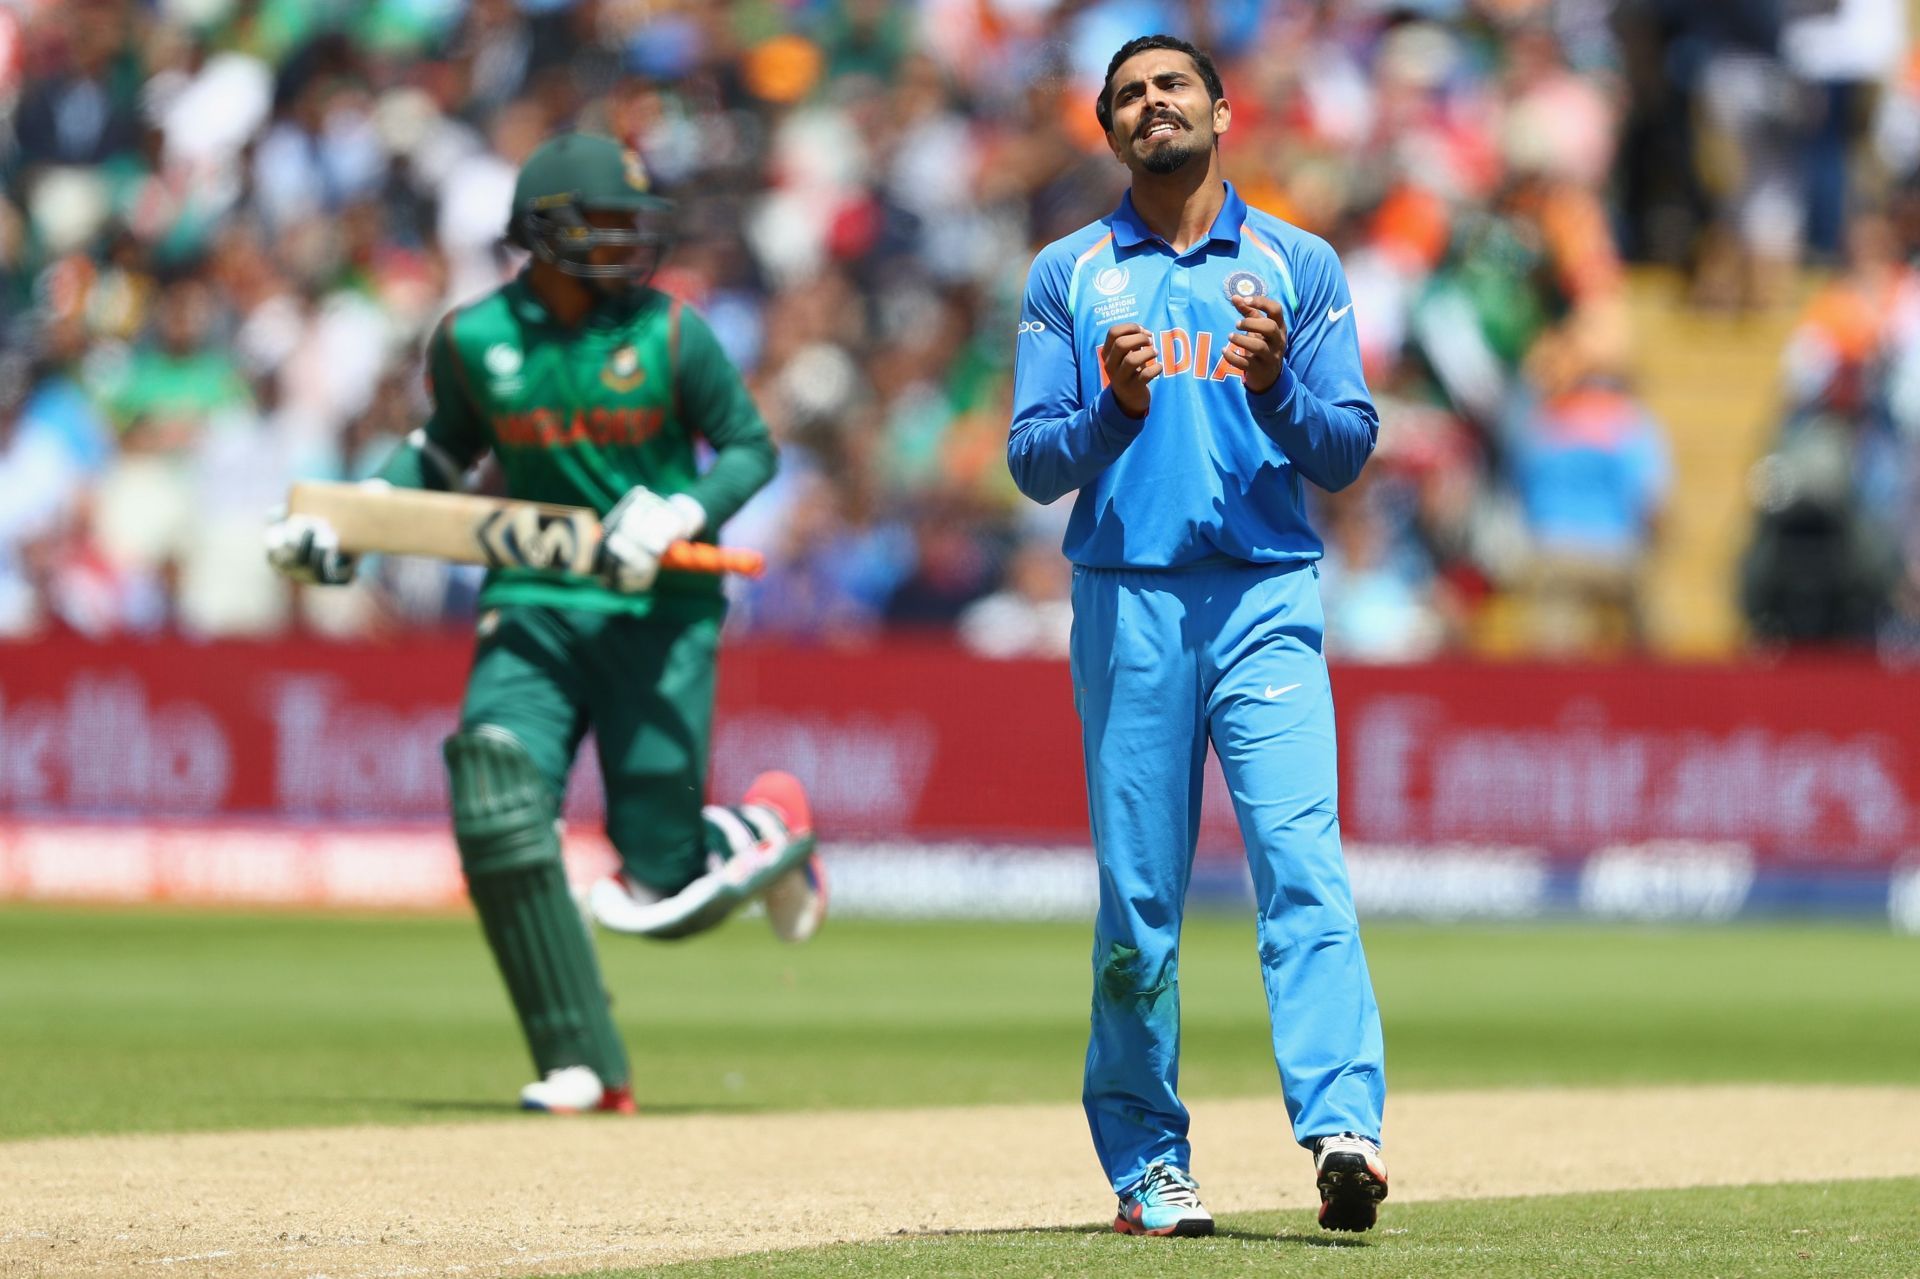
column 617, row 299
column 1169, row 154
column 620, row 296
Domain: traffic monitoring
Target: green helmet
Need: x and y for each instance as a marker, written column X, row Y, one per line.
column 573, row 175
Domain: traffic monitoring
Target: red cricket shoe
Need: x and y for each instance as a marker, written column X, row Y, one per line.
column 783, row 793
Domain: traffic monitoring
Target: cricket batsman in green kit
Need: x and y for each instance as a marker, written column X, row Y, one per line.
column 591, row 389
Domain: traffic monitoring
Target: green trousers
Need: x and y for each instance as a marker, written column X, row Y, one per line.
column 643, row 685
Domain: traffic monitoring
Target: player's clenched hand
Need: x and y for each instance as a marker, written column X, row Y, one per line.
column 1259, row 342
column 638, row 531
column 1131, row 363
column 306, row 549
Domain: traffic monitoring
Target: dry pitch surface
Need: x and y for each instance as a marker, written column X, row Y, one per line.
column 533, row 1195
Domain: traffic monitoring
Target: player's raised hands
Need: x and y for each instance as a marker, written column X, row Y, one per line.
column 1259, row 342
column 1131, row 364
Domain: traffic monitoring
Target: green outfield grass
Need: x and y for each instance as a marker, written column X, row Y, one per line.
column 1861, row 1229
column 228, row 1021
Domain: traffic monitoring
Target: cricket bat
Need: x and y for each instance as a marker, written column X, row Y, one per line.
column 499, row 532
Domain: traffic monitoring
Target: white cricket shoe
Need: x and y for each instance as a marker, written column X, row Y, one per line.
column 574, row 1090
column 797, row 901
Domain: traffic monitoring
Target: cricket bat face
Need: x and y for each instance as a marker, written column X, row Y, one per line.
column 498, row 532
column 453, row 526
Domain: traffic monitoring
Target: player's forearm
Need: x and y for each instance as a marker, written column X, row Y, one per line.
column 1327, row 442
column 740, row 469
column 420, row 463
column 1051, row 457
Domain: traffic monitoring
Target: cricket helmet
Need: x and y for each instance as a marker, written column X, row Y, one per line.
column 576, row 174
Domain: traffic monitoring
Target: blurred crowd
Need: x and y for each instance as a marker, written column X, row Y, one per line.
column 1835, row 555
column 226, row 227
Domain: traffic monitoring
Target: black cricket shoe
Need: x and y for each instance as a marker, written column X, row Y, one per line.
column 1353, row 1180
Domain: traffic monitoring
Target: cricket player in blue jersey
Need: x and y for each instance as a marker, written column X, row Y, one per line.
column 1189, row 365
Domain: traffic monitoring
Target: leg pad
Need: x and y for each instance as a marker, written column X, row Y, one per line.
column 503, row 822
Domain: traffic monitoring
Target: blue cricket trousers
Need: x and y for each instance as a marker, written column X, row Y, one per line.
column 1163, row 662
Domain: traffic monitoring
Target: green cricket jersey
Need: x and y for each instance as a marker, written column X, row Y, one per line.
column 580, row 415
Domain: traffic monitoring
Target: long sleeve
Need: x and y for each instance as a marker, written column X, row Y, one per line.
column 437, row 455
column 1318, row 411
column 1057, row 443
column 716, row 404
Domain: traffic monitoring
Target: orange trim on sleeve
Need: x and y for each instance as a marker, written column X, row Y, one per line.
column 1098, row 245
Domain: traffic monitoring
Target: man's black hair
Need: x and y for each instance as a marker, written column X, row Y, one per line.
column 1140, row 44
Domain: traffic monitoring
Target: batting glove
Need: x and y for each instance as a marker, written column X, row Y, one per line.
column 306, row 549
column 638, row 531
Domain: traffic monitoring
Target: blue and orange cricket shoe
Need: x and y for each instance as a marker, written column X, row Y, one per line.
column 1165, row 1201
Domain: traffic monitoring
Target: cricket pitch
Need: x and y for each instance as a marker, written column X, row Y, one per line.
column 538, row 1195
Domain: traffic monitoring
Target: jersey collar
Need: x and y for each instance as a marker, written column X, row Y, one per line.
column 1130, row 232
column 526, row 303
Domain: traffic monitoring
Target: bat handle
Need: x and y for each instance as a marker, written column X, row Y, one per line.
column 700, row 557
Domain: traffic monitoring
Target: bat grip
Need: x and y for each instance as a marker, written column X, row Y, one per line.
column 701, row 557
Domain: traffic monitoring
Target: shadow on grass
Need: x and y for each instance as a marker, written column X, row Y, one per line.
column 502, row 1109
column 661, row 1108
column 1304, row 1241
column 1294, row 1238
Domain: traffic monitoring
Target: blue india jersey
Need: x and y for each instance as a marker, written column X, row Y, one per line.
column 1213, row 473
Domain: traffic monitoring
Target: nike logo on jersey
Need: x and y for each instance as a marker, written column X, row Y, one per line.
column 1273, row 692
column 1334, row 317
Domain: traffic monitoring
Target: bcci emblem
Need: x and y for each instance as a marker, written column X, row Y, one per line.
column 1245, row 286
column 623, row 371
